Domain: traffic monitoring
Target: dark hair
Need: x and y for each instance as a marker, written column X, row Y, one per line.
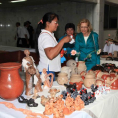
column 18, row 23
column 48, row 17
column 25, row 23
column 69, row 25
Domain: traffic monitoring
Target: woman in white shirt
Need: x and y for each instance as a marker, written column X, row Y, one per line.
column 48, row 47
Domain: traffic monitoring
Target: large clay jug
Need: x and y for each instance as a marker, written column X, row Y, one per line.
column 11, row 85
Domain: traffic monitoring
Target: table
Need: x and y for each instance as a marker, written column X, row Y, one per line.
column 12, row 49
column 110, row 48
column 103, row 60
column 104, row 106
column 10, row 113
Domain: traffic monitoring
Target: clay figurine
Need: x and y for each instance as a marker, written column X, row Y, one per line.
column 46, row 80
column 53, row 92
column 32, row 75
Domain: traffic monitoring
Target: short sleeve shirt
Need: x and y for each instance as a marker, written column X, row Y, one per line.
column 46, row 39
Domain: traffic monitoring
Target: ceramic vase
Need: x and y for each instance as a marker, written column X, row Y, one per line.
column 62, row 78
column 11, row 85
column 81, row 66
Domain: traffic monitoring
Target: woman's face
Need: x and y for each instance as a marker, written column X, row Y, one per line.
column 70, row 31
column 53, row 25
column 84, row 28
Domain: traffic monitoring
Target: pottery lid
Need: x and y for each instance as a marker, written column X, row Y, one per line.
column 10, row 65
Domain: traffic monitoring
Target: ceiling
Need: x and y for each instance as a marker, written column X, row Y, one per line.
column 6, row 3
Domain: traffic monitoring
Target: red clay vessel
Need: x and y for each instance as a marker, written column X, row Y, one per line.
column 11, row 85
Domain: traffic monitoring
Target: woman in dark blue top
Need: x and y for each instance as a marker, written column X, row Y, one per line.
column 70, row 30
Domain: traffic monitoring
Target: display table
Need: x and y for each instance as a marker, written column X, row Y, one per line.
column 110, row 48
column 11, row 113
column 103, row 107
column 103, row 60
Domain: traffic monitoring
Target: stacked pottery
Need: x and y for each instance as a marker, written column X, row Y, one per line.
column 99, row 74
column 81, row 66
column 62, row 78
column 89, row 80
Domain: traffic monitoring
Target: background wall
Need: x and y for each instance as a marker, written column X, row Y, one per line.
column 68, row 12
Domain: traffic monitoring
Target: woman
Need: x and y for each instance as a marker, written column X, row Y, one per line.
column 69, row 30
column 48, row 47
column 86, row 42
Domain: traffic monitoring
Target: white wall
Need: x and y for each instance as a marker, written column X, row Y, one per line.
column 68, row 12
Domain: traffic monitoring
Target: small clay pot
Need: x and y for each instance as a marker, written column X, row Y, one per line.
column 75, row 78
column 90, row 76
column 89, row 82
column 62, row 78
column 100, row 82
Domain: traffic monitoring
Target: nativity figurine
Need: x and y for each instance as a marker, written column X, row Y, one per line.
column 46, row 80
column 32, row 75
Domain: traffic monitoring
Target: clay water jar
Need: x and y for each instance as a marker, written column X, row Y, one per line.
column 90, row 76
column 11, row 85
column 75, row 78
column 62, row 78
column 99, row 73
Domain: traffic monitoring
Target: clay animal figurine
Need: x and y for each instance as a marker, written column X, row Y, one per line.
column 70, row 88
column 32, row 75
column 53, row 92
column 46, row 80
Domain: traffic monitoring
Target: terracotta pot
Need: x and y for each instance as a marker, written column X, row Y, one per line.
column 62, row 78
column 78, row 84
column 114, row 85
column 75, row 78
column 90, row 76
column 11, row 85
column 89, row 82
column 81, row 66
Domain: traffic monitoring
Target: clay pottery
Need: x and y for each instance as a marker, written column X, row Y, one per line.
column 100, row 82
column 67, row 70
column 114, row 84
column 112, row 74
column 66, row 111
column 107, row 80
column 81, row 66
column 78, row 84
column 99, row 73
column 62, row 78
column 90, row 76
column 89, row 82
column 75, row 78
column 11, row 85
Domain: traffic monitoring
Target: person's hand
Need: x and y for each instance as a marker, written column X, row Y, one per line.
column 67, row 39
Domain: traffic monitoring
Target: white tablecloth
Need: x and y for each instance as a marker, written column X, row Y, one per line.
column 103, row 60
column 110, row 48
column 11, row 113
column 103, row 107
